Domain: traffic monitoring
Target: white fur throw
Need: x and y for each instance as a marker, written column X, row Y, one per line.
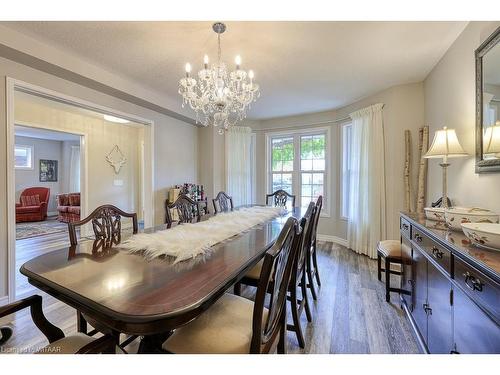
column 186, row 241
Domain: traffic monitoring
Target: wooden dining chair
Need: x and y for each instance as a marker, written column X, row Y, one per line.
column 298, row 279
column 188, row 211
column 59, row 343
column 106, row 224
column 312, row 270
column 107, row 227
column 222, row 202
column 280, row 198
column 237, row 325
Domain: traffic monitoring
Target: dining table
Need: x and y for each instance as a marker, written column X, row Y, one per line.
column 129, row 293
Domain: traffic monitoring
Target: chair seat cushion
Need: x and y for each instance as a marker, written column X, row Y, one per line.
column 62, row 208
column 27, row 209
column 67, row 345
column 390, row 248
column 225, row 328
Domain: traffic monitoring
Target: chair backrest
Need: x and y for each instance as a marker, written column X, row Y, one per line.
column 106, row 223
column 276, row 272
column 319, row 205
column 187, row 209
column 42, row 192
column 306, row 224
column 222, row 202
column 280, row 198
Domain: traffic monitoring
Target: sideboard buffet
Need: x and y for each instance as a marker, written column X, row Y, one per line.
column 452, row 297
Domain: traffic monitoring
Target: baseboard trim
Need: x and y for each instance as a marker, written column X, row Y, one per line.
column 4, row 300
column 334, row 239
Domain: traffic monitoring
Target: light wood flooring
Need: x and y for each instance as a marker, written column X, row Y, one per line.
column 350, row 315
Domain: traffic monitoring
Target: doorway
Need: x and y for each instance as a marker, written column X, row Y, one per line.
column 65, row 144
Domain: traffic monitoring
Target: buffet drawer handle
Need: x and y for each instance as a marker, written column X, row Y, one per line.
column 437, row 254
column 418, row 237
column 473, row 282
column 405, row 226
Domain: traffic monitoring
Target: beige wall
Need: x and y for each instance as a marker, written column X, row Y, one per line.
column 450, row 101
column 101, row 136
column 176, row 155
column 403, row 110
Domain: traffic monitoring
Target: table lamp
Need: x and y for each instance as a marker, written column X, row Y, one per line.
column 445, row 145
column 491, row 140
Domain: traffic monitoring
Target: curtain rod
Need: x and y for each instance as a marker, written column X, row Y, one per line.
column 309, row 124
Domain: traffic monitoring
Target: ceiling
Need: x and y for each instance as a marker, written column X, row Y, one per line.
column 301, row 66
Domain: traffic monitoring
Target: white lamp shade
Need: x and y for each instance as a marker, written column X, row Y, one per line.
column 445, row 143
column 491, row 139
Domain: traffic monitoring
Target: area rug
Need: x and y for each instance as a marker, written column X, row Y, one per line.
column 28, row 230
column 186, row 241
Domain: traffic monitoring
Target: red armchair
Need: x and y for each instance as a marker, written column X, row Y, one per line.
column 30, row 211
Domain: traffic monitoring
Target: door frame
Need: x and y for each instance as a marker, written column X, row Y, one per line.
column 13, row 85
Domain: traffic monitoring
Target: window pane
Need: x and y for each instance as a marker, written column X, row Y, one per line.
column 318, row 178
column 287, row 178
column 318, row 147
column 317, row 190
column 288, row 165
column 306, row 147
column 22, row 157
column 305, row 200
column 307, row 178
column 318, row 165
column 346, row 155
column 288, row 149
column 277, row 165
column 306, row 190
column 306, row 165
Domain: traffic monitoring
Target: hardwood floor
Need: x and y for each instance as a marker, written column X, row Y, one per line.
column 350, row 315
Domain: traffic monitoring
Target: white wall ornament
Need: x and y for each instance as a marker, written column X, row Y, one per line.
column 116, row 159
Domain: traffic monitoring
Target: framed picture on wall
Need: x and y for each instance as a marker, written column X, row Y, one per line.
column 48, row 170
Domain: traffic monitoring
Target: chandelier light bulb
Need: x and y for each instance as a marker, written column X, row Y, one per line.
column 250, row 74
column 205, row 61
column 188, row 69
column 237, row 60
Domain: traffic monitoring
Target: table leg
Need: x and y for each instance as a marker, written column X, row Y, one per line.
column 152, row 344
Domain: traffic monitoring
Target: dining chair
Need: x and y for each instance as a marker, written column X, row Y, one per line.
column 107, row 227
column 237, row 325
column 298, row 278
column 312, row 270
column 187, row 210
column 59, row 343
column 106, row 224
column 222, row 202
column 280, row 198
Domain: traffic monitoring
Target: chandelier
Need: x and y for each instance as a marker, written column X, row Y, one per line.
column 219, row 97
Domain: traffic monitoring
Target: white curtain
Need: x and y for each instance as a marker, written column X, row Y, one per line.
column 367, row 200
column 238, row 164
column 74, row 171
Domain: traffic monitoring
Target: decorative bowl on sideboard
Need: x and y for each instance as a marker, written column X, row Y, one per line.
column 483, row 234
column 455, row 216
column 434, row 213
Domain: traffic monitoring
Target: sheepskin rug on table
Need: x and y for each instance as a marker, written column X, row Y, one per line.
column 186, row 241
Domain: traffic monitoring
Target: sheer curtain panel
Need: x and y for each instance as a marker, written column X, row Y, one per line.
column 367, row 205
column 238, row 164
column 74, row 171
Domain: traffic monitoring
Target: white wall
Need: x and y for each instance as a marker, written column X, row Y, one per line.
column 25, row 178
column 174, row 160
column 450, row 101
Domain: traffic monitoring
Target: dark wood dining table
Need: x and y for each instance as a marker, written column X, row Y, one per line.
column 128, row 293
